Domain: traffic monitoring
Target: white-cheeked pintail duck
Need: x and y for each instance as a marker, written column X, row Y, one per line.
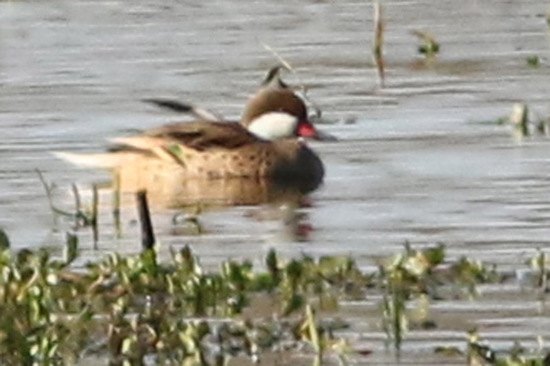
column 264, row 145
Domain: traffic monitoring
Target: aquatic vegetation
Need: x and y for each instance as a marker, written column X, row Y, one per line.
column 379, row 42
column 527, row 122
column 539, row 263
column 429, row 47
column 189, row 222
column 421, row 275
column 520, row 119
column 130, row 308
column 480, row 353
column 4, row 240
column 533, row 61
column 524, row 122
column 82, row 217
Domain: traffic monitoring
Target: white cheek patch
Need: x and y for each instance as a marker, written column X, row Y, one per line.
column 274, row 125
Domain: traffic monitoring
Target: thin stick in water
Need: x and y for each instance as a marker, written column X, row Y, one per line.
column 283, row 62
column 79, row 217
column 76, row 197
column 48, row 190
column 378, row 50
column 147, row 235
column 116, row 205
column 95, row 203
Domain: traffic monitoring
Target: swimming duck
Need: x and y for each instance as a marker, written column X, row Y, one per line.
column 264, row 145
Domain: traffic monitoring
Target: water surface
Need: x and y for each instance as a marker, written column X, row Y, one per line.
column 414, row 162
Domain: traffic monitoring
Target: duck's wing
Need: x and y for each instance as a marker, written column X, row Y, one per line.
column 200, row 136
column 167, row 143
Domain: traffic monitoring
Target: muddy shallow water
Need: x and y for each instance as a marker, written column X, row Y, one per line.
column 415, row 161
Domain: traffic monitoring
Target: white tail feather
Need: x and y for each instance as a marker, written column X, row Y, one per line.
column 106, row 160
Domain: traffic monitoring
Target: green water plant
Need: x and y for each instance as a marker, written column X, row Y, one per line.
column 421, row 274
column 539, row 263
column 189, row 222
column 533, row 61
column 127, row 308
column 479, row 352
column 429, row 46
column 406, row 276
column 4, row 240
column 519, row 118
column 82, row 217
column 524, row 121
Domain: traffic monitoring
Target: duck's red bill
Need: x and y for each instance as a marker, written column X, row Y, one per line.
column 307, row 130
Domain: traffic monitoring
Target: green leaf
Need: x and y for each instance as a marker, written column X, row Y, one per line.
column 332, row 264
column 294, row 303
column 533, row 61
column 4, row 240
column 149, row 261
column 272, row 262
column 312, row 333
column 294, row 270
column 176, row 151
column 70, row 251
column 435, row 255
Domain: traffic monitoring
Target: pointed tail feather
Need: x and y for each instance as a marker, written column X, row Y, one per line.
column 170, row 104
column 105, row 160
column 180, row 107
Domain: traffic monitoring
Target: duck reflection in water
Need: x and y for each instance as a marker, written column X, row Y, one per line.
column 294, row 224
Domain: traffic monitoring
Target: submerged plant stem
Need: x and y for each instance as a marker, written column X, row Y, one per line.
column 95, row 212
column 116, row 206
column 379, row 43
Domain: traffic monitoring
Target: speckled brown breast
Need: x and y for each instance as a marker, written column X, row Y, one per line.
column 285, row 162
